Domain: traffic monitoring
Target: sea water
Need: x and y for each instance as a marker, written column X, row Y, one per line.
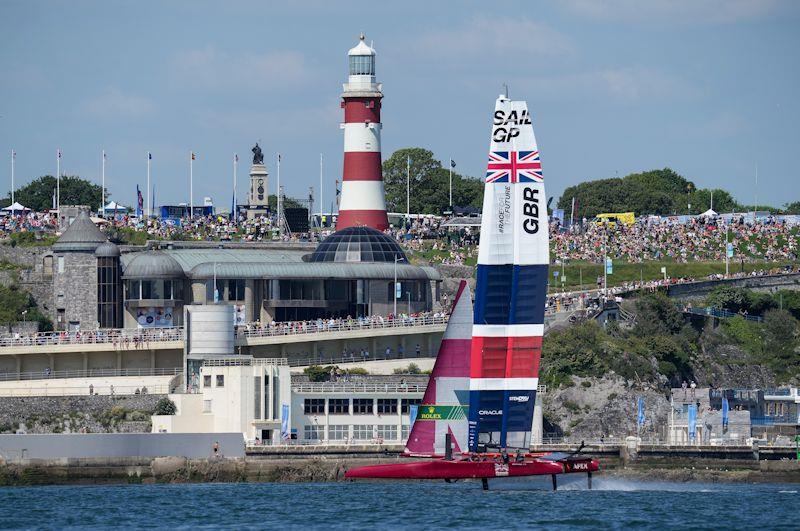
column 509, row 504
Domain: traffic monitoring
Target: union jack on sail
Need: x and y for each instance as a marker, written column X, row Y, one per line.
column 514, row 167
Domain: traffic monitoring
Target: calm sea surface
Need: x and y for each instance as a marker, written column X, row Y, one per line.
column 614, row 503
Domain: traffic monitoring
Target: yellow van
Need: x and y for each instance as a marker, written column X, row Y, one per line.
column 624, row 218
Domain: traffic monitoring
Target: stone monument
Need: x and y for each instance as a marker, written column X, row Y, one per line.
column 258, row 198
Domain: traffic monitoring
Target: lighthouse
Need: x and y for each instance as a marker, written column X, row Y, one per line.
column 363, row 201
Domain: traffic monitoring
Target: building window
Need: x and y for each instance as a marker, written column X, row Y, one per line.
column 206, row 380
column 387, row 405
column 109, row 294
column 313, row 432
column 60, row 264
column 220, row 380
column 387, row 432
column 339, row 406
column 406, row 403
column 363, row 432
column 206, row 406
column 338, row 432
column 314, row 406
column 405, row 430
column 236, row 289
column 362, row 406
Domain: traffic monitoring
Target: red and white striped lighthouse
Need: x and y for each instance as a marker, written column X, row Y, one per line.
column 363, row 201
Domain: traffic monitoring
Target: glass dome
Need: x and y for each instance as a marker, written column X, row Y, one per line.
column 358, row 244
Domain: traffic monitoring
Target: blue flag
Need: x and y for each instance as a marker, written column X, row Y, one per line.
column 285, row 422
column 640, row 412
column 139, row 202
column 692, row 421
column 725, row 410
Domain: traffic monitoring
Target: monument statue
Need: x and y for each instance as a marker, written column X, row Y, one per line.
column 258, row 156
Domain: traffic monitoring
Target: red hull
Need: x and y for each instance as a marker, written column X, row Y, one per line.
column 441, row 469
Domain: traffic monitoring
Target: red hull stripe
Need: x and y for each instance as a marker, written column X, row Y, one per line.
column 505, row 357
column 357, row 110
column 441, row 469
column 362, row 166
column 360, row 218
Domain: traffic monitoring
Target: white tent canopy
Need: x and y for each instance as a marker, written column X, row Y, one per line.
column 17, row 207
column 708, row 214
column 113, row 206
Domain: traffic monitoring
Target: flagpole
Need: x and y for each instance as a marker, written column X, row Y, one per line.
column 58, row 183
column 278, row 199
column 13, row 158
column 191, row 185
column 235, row 166
column 408, row 188
column 103, row 187
column 451, row 183
column 320, row 189
column 147, row 207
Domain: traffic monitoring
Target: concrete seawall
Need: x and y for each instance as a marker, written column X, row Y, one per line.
column 331, row 467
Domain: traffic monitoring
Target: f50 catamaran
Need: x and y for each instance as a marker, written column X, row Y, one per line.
column 481, row 394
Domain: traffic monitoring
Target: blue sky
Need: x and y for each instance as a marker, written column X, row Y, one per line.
column 707, row 87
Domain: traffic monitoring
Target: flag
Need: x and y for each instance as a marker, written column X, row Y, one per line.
column 149, row 156
column 279, row 157
column 725, row 410
column 691, row 415
column 235, row 157
column 408, row 160
column 58, row 153
column 640, row 412
column 285, row 422
column 54, row 198
column 514, row 167
column 139, row 202
column 193, row 157
column 452, row 163
column 338, row 192
column 153, row 202
column 104, row 155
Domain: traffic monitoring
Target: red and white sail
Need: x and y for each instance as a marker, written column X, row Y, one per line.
column 443, row 408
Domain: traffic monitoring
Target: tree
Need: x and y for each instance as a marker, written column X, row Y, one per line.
column 656, row 314
column 429, row 184
column 780, row 335
column 792, row 208
column 38, row 194
column 660, row 192
column 165, row 406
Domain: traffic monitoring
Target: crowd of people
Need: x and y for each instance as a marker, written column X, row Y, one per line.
column 438, row 241
column 699, row 239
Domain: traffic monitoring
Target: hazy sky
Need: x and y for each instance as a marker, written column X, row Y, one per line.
column 708, row 87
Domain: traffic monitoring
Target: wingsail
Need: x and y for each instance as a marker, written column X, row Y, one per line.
column 511, row 286
column 444, row 405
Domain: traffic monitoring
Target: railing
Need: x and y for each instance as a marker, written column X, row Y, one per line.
column 107, row 390
column 317, row 327
column 89, row 373
column 772, row 420
column 355, row 358
column 784, row 391
column 351, row 387
column 143, row 337
column 243, row 362
column 724, row 314
column 120, row 338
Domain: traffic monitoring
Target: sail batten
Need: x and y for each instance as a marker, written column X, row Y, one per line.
column 511, row 286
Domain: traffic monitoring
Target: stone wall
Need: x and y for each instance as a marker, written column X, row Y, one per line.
column 56, row 414
column 32, row 278
column 699, row 290
column 75, row 289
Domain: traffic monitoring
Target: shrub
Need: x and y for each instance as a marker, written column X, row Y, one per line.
column 165, row 406
column 412, row 368
column 586, row 384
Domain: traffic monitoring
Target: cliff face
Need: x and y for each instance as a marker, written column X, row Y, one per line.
column 603, row 407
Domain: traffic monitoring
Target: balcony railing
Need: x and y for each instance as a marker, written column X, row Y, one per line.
column 89, row 373
column 129, row 339
column 354, row 387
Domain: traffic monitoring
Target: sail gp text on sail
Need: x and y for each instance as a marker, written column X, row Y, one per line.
column 511, row 285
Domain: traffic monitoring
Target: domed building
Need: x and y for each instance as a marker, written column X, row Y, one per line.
column 85, row 283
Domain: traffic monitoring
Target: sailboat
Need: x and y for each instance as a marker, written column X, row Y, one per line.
column 481, row 394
